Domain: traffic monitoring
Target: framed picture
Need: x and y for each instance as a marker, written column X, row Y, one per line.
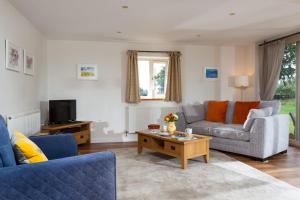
column 211, row 73
column 28, row 63
column 87, row 72
column 13, row 56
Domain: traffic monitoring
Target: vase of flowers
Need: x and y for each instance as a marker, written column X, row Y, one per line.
column 170, row 119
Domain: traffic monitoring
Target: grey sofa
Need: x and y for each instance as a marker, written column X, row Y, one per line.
column 268, row 135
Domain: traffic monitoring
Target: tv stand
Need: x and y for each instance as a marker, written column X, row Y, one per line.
column 81, row 130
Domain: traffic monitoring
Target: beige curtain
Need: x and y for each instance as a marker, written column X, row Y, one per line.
column 271, row 56
column 132, row 85
column 173, row 92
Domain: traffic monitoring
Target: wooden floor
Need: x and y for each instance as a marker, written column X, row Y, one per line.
column 285, row 167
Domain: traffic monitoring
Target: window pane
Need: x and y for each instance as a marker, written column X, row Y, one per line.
column 144, row 78
column 159, row 78
column 286, row 89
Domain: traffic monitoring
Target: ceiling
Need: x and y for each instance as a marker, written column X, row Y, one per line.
column 182, row 21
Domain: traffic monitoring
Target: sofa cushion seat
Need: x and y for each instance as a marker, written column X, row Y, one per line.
column 232, row 132
column 202, row 127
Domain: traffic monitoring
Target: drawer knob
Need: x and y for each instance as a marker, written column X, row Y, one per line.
column 81, row 136
column 173, row 148
column 145, row 140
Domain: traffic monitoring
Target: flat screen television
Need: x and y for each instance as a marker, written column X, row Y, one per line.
column 62, row 111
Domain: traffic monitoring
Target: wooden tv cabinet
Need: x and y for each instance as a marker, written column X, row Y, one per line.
column 80, row 129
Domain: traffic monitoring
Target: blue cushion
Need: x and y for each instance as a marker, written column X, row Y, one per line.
column 56, row 146
column 6, row 152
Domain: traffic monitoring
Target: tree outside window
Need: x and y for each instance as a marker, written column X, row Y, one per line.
column 152, row 77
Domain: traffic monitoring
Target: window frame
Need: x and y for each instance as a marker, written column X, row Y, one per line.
column 152, row 60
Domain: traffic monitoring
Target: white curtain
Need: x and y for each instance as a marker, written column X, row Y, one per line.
column 271, row 56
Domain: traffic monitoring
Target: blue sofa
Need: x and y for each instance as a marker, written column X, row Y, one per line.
column 64, row 176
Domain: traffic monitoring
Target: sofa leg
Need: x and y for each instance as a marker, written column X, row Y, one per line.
column 283, row 152
column 266, row 160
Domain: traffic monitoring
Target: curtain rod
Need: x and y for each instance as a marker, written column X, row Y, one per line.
column 142, row 51
column 287, row 36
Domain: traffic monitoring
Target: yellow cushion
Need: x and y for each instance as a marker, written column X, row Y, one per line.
column 28, row 150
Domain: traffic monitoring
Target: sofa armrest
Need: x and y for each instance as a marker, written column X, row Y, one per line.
column 91, row 176
column 181, row 122
column 56, row 146
column 269, row 135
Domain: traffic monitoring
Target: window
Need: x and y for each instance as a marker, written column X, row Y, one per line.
column 286, row 90
column 153, row 77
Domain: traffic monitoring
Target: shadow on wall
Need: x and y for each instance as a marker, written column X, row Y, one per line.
column 101, row 128
column 44, row 108
column 139, row 117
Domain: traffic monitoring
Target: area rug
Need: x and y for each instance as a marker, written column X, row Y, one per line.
column 153, row 176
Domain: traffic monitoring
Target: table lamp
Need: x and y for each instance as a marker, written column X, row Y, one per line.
column 241, row 82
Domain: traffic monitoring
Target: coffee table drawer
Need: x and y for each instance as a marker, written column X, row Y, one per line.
column 145, row 141
column 173, row 148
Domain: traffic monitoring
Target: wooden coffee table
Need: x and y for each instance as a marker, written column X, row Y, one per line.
column 181, row 149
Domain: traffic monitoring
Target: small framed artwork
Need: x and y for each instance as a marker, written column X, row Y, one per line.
column 87, row 72
column 13, row 56
column 28, row 63
column 211, row 73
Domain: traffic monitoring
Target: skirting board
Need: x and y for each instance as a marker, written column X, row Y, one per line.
column 131, row 137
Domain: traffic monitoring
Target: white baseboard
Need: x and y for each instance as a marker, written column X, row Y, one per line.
column 131, row 137
column 115, row 138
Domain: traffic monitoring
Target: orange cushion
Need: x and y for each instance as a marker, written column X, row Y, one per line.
column 241, row 110
column 216, row 111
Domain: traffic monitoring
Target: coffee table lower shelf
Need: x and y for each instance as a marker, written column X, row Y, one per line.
column 183, row 150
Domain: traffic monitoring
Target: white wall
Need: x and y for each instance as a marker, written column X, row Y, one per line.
column 227, row 63
column 237, row 60
column 20, row 92
column 102, row 101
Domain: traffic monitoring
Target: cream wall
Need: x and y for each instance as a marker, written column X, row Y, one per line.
column 102, row 101
column 19, row 92
column 237, row 60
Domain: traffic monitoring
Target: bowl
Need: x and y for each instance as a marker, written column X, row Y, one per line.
column 153, row 126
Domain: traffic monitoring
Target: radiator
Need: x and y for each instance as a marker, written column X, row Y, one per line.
column 28, row 123
column 139, row 117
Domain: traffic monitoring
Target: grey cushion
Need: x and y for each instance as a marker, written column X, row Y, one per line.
column 231, row 133
column 256, row 113
column 205, row 103
column 193, row 113
column 229, row 113
column 203, row 127
column 275, row 104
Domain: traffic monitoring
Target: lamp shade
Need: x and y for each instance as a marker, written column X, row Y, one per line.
column 241, row 81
